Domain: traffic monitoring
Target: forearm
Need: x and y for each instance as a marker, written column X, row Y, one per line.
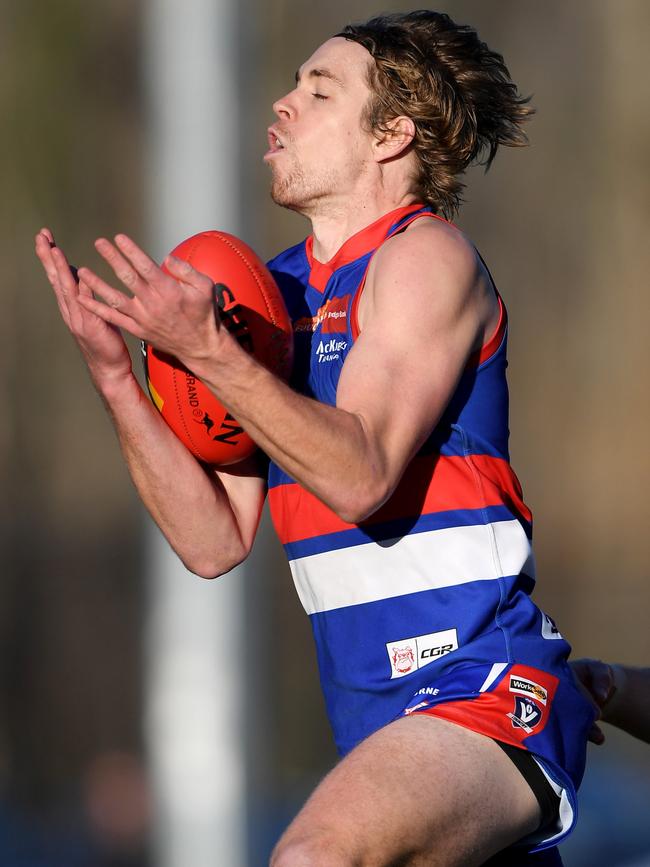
column 629, row 706
column 192, row 509
column 325, row 448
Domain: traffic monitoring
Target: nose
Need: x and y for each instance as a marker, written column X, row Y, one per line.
column 284, row 107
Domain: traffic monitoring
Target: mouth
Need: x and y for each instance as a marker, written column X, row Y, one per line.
column 275, row 144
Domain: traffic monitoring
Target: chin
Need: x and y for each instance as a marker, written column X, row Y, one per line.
column 288, row 194
column 293, row 192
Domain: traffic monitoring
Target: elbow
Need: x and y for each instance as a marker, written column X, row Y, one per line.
column 207, row 572
column 358, row 505
column 214, row 564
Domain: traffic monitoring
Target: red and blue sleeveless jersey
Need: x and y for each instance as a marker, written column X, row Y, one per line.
column 437, row 582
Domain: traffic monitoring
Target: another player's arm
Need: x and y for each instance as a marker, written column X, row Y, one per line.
column 424, row 310
column 621, row 692
column 210, row 519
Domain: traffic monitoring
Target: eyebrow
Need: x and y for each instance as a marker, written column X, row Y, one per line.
column 321, row 72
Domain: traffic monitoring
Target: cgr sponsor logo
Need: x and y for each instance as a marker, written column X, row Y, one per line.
column 410, row 654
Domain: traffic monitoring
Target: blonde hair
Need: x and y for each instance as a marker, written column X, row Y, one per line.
column 456, row 90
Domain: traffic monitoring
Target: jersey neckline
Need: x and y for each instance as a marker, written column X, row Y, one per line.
column 364, row 241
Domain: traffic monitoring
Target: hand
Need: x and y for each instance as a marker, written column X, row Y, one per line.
column 172, row 311
column 597, row 681
column 101, row 344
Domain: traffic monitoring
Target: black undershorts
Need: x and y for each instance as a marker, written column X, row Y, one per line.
column 549, row 801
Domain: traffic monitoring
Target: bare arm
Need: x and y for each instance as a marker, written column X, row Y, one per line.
column 210, row 519
column 622, row 693
column 426, row 308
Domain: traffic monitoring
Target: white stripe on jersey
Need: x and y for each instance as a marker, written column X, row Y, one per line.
column 420, row 561
column 495, row 671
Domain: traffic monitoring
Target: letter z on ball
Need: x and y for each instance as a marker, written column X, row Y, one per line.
column 251, row 307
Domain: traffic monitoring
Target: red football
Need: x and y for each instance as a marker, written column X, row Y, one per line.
column 252, row 309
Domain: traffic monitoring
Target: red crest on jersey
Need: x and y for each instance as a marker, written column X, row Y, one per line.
column 403, row 659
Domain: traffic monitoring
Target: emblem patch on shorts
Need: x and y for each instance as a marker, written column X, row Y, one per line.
column 410, row 654
column 526, row 714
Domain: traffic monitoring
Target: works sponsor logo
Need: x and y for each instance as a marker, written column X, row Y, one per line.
column 333, row 315
column 330, row 350
column 523, row 686
column 410, row 654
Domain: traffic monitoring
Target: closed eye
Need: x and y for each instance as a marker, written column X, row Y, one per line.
column 319, row 95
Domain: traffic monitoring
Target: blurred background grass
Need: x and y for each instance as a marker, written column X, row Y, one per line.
column 563, row 228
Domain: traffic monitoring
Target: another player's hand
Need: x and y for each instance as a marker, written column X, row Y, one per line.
column 172, row 311
column 101, row 343
column 597, row 680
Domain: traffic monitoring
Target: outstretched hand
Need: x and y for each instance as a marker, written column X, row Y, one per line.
column 101, row 344
column 172, row 309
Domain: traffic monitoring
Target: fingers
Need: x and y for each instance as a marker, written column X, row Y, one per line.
column 58, row 273
column 113, row 297
column 602, row 682
column 145, row 267
column 43, row 246
column 598, row 677
column 140, row 274
column 121, row 266
column 110, row 315
column 185, row 273
column 84, row 288
column 596, row 735
column 67, row 277
column 47, row 233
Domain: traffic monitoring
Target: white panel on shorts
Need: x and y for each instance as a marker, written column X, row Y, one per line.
column 416, row 562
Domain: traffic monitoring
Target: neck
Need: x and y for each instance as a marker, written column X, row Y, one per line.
column 334, row 223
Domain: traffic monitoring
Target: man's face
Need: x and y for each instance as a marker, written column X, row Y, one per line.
column 318, row 150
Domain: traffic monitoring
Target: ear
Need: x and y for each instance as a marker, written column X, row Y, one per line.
column 396, row 139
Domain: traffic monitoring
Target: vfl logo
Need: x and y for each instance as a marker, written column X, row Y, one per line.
column 409, row 654
column 526, row 714
column 528, row 687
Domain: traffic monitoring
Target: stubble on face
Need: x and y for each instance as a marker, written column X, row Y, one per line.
column 300, row 190
column 321, row 169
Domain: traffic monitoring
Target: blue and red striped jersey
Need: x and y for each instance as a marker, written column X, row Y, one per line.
column 438, row 580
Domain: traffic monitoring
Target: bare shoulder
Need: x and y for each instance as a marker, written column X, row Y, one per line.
column 430, row 266
column 434, row 247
